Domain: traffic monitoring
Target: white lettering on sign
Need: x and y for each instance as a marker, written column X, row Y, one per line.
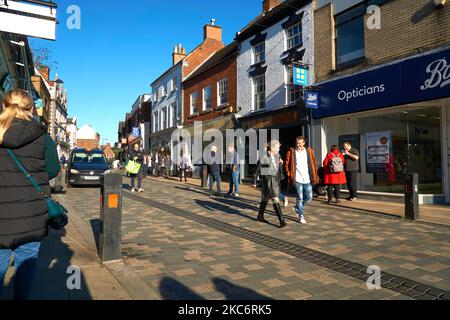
column 360, row 92
column 439, row 71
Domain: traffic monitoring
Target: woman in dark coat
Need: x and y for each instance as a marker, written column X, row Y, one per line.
column 271, row 174
column 333, row 180
column 137, row 156
column 23, row 210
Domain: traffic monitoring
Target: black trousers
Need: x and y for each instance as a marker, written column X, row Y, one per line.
column 337, row 191
column 183, row 174
column 352, row 178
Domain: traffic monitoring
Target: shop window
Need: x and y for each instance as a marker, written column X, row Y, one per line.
column 293, row 91
column 393, row 142
column 259, row 84
column 350, row 35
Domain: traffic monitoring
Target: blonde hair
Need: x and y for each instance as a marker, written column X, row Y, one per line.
column 18, row 104
column 272, row 144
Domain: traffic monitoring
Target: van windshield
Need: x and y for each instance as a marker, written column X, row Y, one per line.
column 86, row 157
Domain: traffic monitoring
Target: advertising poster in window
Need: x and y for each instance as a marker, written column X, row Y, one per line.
column 378, row 151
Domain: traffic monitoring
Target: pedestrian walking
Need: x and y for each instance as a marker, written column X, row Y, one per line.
column 271, row 167
column 334, row 173
column 182, row 168
column 234, row 171
column 168, row 165
column 351, row 156
column 24, row 212
column 301, row 171
column 214, row 173
column 136, row 155
column 145, row 166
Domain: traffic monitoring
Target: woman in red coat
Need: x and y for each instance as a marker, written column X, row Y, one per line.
column 334, row 179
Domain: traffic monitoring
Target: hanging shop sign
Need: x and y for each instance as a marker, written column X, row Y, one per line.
column 30, row 19
column 300, row 76
column 312, row 99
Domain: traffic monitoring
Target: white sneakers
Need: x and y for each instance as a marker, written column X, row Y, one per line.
column 301, row 219
column 134, row 190
column 141, row 190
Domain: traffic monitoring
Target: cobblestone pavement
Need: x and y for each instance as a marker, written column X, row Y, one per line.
column 173, row 247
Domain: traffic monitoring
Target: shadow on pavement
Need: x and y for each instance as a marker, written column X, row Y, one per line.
column 171, row 289
column 53, row 273
column 95, row 225
column 234, row 292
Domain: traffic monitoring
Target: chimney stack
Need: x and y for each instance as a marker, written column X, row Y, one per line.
column 179, row 52
column 211, row 31
column 269, row 4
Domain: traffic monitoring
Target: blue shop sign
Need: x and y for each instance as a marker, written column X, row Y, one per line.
column 416, row 79
column 312, row 99
column 300, row 76
column 136, row 132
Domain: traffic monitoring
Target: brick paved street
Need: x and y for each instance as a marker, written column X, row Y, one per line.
column 181, row 258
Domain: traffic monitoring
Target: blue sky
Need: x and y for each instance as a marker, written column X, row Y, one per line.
column 124, row 45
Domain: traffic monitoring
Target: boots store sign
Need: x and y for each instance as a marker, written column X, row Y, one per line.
column 420, row 78
column 32, row 18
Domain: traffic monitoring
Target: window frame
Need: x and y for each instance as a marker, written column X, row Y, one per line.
column 259, row 97
column 293, row 92
column 223, row 92
column 291, row 38
column 204, row 102
column 257, row 54
column 192, row 111
column 363, row 9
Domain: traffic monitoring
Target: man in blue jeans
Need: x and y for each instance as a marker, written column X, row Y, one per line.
column 234, row 171
column 301, row 171
column 25, row 264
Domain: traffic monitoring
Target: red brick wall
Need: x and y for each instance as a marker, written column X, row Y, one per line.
column 200, row 55
column 226, row 69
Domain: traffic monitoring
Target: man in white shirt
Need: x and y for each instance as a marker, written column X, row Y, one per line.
column 301, row 170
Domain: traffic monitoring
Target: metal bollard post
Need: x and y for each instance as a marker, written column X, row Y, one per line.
column 411, row 195
column 110, row 246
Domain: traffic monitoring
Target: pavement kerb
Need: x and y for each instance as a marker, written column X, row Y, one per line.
column 124, row 274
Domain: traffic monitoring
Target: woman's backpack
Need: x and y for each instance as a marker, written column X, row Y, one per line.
column 336, row 164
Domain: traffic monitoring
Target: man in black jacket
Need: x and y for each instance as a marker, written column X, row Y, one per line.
column 214, row 173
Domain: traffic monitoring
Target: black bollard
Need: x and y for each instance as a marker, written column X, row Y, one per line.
column 110, row 246
column 411, row 196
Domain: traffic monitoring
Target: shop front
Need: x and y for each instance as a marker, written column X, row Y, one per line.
column 161, row 150
column 397, row 116
column 289, row 123
column 221, row 124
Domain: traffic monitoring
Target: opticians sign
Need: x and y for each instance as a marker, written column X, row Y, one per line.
column 420, row 78
column 34, row 20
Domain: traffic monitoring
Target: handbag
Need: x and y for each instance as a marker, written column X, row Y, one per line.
column 57, row 213
column 132, row 167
